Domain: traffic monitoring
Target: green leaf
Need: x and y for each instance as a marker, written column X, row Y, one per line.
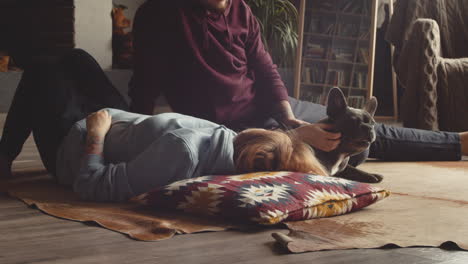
column 278, row 22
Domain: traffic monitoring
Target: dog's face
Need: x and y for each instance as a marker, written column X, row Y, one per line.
column 355, row 125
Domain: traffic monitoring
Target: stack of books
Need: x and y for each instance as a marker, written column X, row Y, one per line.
column 315, row 75
column 336, row 78
column 360, row 80
column 311, row 96
column 340, row 54
column 306, row 75
column 315, row 51
column 318, row 75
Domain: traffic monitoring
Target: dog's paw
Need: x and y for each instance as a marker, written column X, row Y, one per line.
column 354, row 174
column 377, row 178
column 361, row 177
column 367, row 178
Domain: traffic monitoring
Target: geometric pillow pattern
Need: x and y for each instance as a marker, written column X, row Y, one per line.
column 266, row 197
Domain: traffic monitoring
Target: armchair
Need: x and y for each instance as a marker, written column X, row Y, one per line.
column 431, row 62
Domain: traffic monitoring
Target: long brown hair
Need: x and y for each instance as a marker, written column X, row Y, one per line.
column 263, row 150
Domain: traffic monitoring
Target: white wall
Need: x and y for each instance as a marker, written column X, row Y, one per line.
column 93, row 29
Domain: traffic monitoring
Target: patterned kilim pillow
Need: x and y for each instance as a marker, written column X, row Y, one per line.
column 266, row 197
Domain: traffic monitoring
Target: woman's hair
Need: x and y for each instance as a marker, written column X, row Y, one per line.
column 263, row 150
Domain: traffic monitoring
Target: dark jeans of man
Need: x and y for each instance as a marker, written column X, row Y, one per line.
column 55, row 91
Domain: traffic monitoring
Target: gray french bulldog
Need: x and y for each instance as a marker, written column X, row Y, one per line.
column 357, row 133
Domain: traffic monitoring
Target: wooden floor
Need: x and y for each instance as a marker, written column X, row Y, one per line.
column 29, row 236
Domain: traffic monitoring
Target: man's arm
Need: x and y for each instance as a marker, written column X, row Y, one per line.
column 272, row 92
column 283, row 113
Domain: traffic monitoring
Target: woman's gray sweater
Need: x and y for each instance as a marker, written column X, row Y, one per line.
column 143, row 152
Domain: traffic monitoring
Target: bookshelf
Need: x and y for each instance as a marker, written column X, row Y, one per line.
column 336, row 48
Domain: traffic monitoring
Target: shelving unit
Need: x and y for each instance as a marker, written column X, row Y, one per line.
column 337, row 46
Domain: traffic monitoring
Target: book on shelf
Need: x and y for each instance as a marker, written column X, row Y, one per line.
column 318, row 74
column 337, row 78
column 315, row 50
column 314, row 75
column 360, row 80
column 311, row 96
column 306, row 75
column 363, row 56
column 340, row 54
column 356, row 101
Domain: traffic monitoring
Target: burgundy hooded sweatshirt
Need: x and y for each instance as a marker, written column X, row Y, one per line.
column 211, row 66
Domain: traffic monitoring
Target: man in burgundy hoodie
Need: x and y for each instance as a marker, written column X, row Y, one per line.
column 208, row 59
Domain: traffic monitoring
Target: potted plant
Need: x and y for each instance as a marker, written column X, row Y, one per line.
column 278, row 22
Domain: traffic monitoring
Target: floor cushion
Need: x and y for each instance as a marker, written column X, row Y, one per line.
column 266, row 197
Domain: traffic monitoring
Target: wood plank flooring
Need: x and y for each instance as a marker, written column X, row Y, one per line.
column 29, row 236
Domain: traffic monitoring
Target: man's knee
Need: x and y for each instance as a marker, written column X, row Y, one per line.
column 307, row 111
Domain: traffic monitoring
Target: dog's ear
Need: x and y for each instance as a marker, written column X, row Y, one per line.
column 336, row 102
column 371, row 106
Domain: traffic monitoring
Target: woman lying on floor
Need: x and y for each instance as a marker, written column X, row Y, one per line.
column 142, row 152
column 113, row 155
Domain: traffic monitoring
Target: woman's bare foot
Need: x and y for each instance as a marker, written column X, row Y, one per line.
column 464, row 143
column 5, row 167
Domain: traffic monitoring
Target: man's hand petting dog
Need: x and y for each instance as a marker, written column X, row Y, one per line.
column 318, row 137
